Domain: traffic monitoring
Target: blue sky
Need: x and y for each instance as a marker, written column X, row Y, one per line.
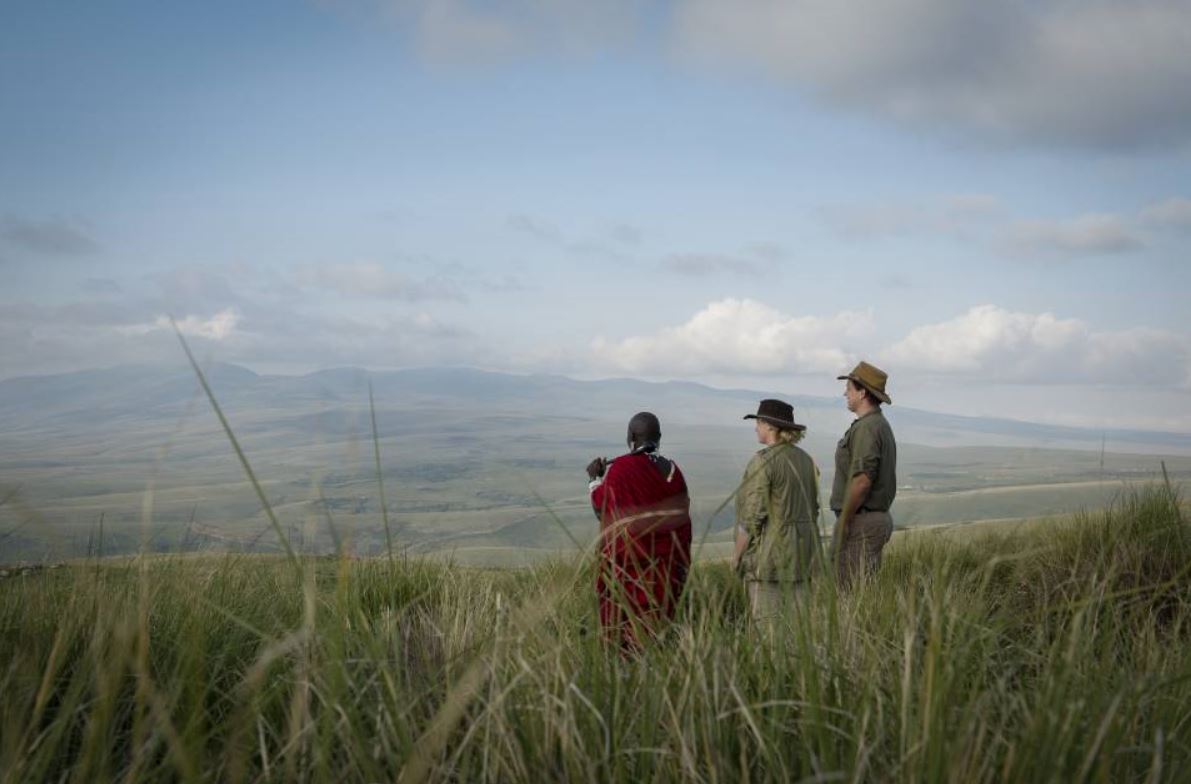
column 992, row 201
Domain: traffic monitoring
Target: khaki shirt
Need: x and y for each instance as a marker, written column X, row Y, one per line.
column 867, row 448
column 777, row 506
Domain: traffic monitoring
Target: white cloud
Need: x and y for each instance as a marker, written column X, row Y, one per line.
column 1174, row 212
column 221, row 326
column 1085, row 235
column 740, row 336
column 40, row 339
column 994, row 344
column 1104, row 73
column 218, row 327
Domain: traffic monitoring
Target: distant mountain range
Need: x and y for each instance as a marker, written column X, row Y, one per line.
column 92, row 397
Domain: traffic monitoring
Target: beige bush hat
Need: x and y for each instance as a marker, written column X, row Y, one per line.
column 871, row 378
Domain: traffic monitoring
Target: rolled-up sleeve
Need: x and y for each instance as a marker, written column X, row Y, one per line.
column 866, row 453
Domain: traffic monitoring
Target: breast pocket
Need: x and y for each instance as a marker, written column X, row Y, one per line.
column 842, row 453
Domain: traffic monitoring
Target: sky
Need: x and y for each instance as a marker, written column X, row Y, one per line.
column 991, row 201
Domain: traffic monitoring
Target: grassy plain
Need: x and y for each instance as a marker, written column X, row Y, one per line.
column 1047, row 653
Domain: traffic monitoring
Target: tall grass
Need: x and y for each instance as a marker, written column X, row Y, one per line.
column 1056, row 654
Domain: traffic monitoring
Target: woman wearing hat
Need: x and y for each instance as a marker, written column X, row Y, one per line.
column 777, row 513
column 865, row 476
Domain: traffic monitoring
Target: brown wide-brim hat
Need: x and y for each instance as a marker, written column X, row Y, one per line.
column 871, row 378
column 777, row 413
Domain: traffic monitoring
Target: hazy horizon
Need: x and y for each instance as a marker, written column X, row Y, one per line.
column 760, row 385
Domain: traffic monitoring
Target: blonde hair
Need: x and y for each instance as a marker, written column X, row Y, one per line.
column 789, row 436
column 784, row 435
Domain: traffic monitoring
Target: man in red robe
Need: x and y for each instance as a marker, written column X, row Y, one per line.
column 643, row 506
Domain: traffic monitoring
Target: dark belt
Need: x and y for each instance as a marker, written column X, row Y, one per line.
column 861, row 510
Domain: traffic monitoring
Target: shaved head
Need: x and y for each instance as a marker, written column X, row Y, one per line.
column 644, row 428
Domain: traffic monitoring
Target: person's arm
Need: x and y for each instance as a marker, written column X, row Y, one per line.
column 858, row 490
column 595, row 486
column 818, row 504
column 866, row 457
column 751, row 507
column 742, row 541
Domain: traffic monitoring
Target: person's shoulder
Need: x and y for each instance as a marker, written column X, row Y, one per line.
column 881, row 422
column 872, row 422
column 795, row 457
column 673, row 472
column 621, row 460
column 629, row 462
column 765, row 459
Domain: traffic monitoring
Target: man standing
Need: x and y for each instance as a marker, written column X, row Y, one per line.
column 865, row 476
column 643, row 507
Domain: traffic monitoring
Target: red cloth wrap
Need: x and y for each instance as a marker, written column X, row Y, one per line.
column 645, row 548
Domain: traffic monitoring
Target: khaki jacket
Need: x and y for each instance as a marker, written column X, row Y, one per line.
column 777, row 506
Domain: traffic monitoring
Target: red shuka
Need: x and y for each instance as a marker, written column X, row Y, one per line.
column 645, row 547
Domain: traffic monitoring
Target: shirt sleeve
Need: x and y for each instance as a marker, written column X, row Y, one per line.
column 866, row 453
column 816, row 507
column 752, row 508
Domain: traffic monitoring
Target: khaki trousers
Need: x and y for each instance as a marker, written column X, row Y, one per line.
column 860, row 550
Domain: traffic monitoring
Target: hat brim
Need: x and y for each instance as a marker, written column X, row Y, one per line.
column 782, row 423
column 884, row 398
